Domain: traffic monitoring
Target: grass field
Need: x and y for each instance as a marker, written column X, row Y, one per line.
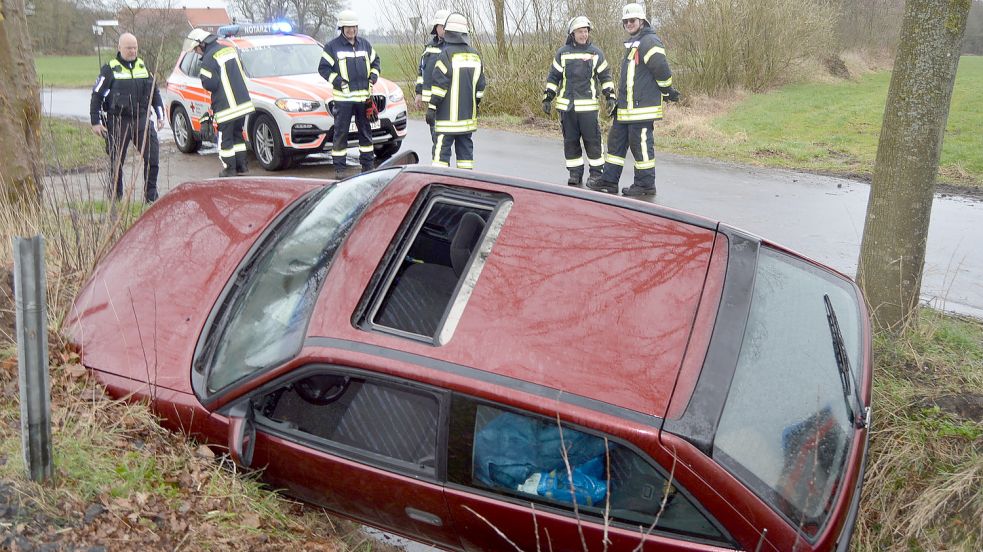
column 68, row 71
column 833, row 128
column 70, row 145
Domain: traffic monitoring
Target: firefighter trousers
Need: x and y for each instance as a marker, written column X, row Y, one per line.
column 232, row 146
column 638, row 137
column 581, row 126
column 344, row 113
column 141, row 131
column 463, row 149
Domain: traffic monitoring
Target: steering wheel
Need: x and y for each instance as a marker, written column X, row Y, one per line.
column 322, row 389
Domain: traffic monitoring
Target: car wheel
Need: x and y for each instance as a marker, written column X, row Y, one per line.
column 387, row 150
column 184, row 134
column 267, row 144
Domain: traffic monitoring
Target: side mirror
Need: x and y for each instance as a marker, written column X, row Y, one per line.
column 242, row 433
column 408, row 157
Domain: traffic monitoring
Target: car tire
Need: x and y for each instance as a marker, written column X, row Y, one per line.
column 185, row 137
column 387, row 150
column 267, row 144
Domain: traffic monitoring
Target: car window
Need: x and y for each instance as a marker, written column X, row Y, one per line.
column 436, row 266
column 525, row 457
column 785, row 429
column 280, row 60
column 190, row 64
column 264, row 318
column 380, row 421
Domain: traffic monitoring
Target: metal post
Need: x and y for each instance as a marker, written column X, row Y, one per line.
column 32, row 356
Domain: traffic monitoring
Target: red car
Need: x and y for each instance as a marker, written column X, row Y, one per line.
column 485, row 363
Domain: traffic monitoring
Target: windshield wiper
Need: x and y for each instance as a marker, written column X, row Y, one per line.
column 843, row 364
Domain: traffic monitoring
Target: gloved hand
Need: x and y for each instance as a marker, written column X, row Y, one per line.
column 547, row 106
column 431, row 116
column 340, row 83
column 672, row 95
column 612, row 109
column 373, row 78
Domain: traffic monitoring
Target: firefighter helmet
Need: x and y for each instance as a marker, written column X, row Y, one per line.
column 456, row 23
column 347, row 18
column 579, row 22
column 438, row 18
column 197, row 37
column 633, row 11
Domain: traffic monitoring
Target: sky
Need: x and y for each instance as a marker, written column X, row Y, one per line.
column 367, row 10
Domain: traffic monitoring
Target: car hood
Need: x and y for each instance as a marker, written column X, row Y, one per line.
column 141, row 312
column 309, row 86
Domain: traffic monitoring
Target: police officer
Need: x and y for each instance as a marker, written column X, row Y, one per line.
column 424, row 77
column 645, row 80
column 221, row 74
column 349, row 63
column 578, row 68
column 123, row 95
column 458, row 85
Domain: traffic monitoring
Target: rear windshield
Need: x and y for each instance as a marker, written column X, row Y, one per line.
column 786, row 429
column 280, row 60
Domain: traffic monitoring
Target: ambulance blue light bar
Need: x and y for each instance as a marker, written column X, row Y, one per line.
column 245, row 29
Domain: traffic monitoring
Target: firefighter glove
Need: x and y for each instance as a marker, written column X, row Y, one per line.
column 548, row 95
column 613, row 109
column 672, row 94
column 339, row 83
column 373, row 78
column 547, row 107
column 431, row 116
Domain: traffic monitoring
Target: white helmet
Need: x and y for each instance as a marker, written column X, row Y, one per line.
column 579, row 22
column 347, row 18
column 456, row 23
column 197, row 37
column 633, row 11
column 439, row 18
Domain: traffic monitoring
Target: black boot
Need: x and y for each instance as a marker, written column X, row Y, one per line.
column 227, row 171
column 594, row 181
column 602, row 185
column 241, row 167
column 575, row 178
column 638, row 191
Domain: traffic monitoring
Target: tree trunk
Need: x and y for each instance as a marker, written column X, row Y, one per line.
column 500, row 27
column 20, row 108
column 892, row 253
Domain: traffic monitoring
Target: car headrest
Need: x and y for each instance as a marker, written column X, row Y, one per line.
column 465, row 238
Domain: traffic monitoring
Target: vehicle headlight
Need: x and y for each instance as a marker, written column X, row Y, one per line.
column 291, row 104
column 396, row 96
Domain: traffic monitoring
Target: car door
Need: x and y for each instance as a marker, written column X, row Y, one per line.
column 362, row 445
column 512, row 486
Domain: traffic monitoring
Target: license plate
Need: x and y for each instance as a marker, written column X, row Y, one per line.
column 354, row 128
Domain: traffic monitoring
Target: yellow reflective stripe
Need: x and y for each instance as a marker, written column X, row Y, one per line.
column 339, row 152
column 645, row 164
column 615, row 160
column 432, row 50
column 234, row 112
column 227, row 152
column 139, row 70
column 557, row 66
column 480, row 93
column 551, row 86
column 438, row 91
column 331, row 77
column 644, row 146
column 562, row 103
column 469, row 125
column 239, row 147
column 602, row 66
column 585, row 108
column 374, row 71
column 630, row 77
column 205, row 72
column 440, row 65
column 652, row 52
column 328, row 58
column 426, row 95
column 439, row 163
column 607, row 85
column 419, row 80
column 365, row 149
column 578, row 162
column 595, row 162
column 437, row 146
column 584, row 57
column 465, row 164
column 665, row 84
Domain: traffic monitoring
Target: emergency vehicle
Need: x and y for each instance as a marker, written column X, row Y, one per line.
column 293, row 103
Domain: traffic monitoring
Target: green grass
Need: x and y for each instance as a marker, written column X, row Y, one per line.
column 71, row 145
column 69, row 71
column 835, row 127
column 395, row 66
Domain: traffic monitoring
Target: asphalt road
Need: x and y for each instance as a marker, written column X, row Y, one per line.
column 821, row 217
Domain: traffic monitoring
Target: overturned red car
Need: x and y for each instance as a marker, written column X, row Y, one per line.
column 486, row 363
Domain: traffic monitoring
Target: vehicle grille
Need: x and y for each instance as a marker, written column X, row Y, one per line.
column 380, row 101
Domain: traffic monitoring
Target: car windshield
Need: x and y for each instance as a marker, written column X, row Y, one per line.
column 785, row 430
column 280, row 60
column 275, row 290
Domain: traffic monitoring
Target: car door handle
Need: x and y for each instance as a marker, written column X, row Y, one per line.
column 424, row 517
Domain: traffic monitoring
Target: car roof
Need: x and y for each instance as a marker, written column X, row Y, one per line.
column 259, row 41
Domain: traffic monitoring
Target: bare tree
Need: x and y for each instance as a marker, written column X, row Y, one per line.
column 311, row 17
column 892, row 252
column 20, row 108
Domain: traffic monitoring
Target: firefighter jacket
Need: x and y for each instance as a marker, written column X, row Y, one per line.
column 221, row 74
column 645, row 77
column 349, row 68
column 578, row 75
column 124, row 88
column 458, row 85
column 424, row 77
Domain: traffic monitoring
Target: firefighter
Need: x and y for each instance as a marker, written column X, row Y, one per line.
column 221, row 74
column 123, row 96
column 578, row 74
column 458, row 85
column 424, row 75
column 645, row 81
column 351, row 66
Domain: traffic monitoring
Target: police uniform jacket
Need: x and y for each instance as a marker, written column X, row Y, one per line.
column 124, row 88
column 645, row 77
column 349, row 68
column 458, row 85
column 579, row 73
column 424, row 78
column 221, row 74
